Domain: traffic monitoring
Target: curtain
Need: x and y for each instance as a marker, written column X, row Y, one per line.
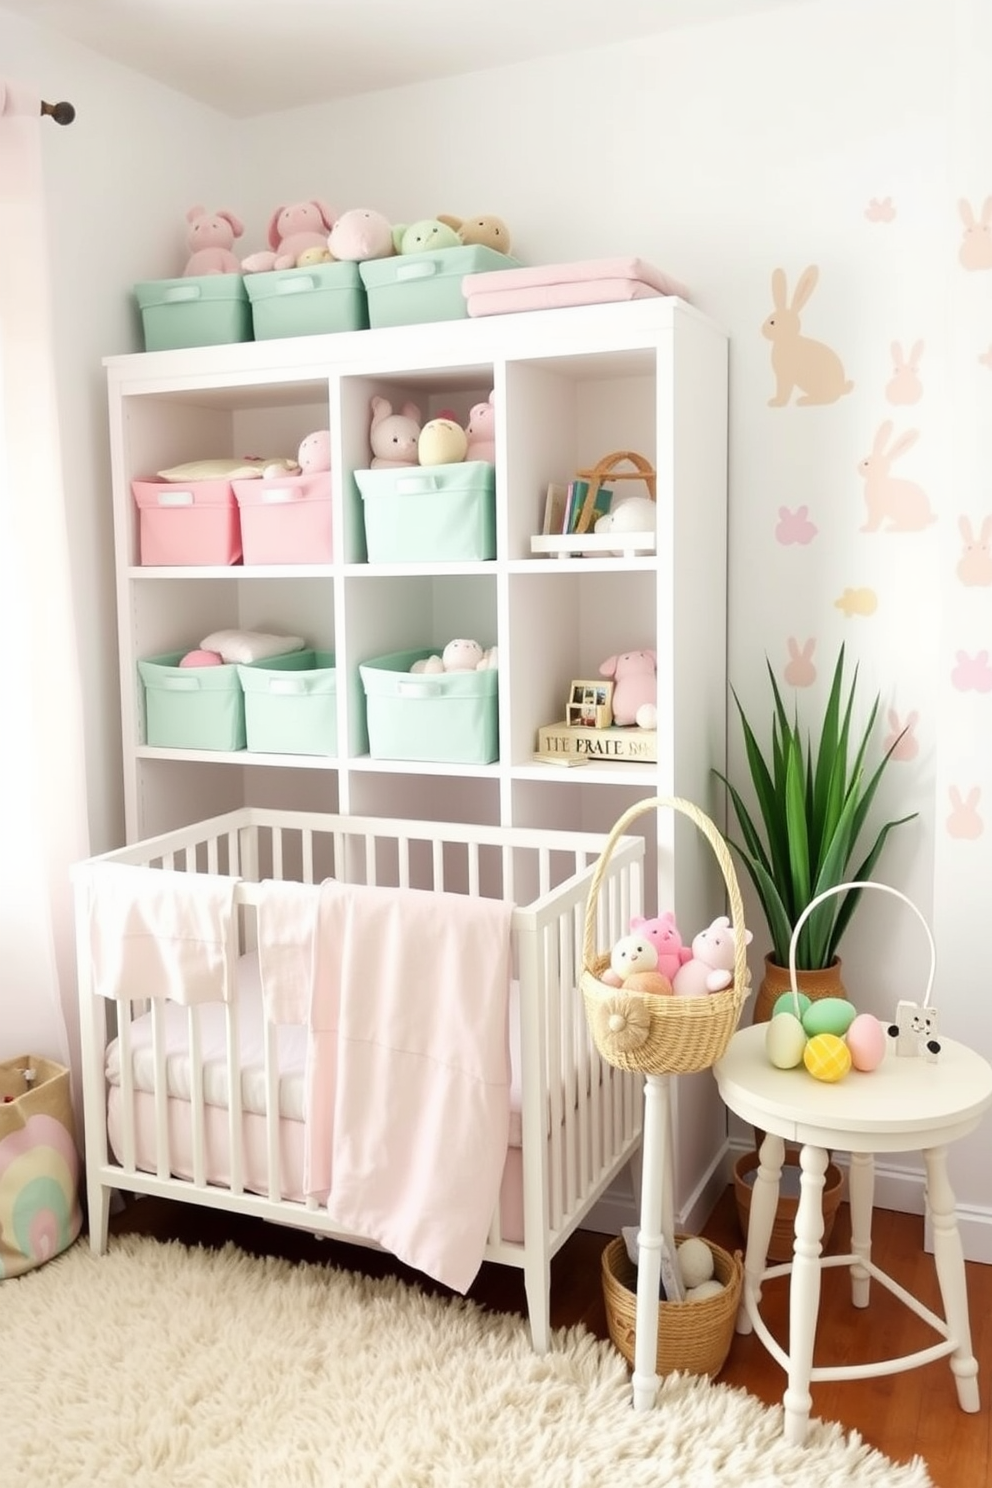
column 43, row 823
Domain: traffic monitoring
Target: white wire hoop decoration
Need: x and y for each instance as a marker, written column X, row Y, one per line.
column 914, row 1029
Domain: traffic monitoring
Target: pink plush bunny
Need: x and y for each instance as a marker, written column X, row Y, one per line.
column 394, row 437
column 481, row 432
column 663, row 933
column 292, row 231
column 209, row 239
column 636, row 683
column 901, row 504
column 360, row 234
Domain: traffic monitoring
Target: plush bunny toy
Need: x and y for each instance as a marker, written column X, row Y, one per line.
column 393, row 436
column 209, row 239
column 292, row 231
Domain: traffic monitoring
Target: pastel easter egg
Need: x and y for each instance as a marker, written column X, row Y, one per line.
column 787, row 1004
column 827, row 1058
column 785, row 1040
column 866, row 1040
column 829, row 1015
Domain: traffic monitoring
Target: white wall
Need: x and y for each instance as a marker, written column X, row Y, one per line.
column 120, row 179
column 718, row 153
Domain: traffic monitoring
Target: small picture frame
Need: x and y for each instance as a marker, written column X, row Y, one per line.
column 590, row 703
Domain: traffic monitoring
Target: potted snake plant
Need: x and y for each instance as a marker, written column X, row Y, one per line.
column 814, row 787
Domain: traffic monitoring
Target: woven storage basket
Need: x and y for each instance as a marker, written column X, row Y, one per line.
column 782, row 1240
column 694, row 1337
column 662, row 1035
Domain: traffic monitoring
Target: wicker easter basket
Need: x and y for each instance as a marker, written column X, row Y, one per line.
column 605, row 471
column 693, row 1336
column 662, row 1035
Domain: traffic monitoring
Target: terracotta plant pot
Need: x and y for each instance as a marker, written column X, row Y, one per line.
column 816, row 984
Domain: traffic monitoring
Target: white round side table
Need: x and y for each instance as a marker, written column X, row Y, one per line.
column 906, row 1105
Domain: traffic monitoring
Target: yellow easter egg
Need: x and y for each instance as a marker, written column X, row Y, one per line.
column 827, row 1057
column 785, row 1040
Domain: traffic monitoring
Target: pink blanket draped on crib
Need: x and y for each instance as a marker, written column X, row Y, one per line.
column 408, row 1080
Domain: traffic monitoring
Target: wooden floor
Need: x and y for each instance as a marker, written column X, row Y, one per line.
column 901, row 1414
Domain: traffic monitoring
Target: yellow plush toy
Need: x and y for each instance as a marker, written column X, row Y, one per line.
column 486, row 231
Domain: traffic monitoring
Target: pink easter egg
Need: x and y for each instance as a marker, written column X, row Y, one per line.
column 202, row 658
column 866, row 1040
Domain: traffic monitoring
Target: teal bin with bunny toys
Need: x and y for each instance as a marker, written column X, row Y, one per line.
column 446, row 717
column 410, row 288
column 307, row 301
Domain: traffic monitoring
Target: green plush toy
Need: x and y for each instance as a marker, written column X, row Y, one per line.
column 424, row 236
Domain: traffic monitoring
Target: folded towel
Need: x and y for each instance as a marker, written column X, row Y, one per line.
column 287, row 915
column 558, row 296
column 155, row 932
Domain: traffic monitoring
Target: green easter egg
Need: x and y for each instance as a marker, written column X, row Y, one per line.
column 787, row 1004
column 785, row 1041
column 830, row 1015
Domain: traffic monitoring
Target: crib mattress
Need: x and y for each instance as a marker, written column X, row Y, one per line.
column 292, row 1053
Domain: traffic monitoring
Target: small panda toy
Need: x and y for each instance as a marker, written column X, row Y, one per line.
column 915, row 1031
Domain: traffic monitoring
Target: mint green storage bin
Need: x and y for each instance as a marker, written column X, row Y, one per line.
column 203, row 310
column 192, row 707
column 308, row 301
column 430, row 513
column 410, row 288
column 450, row 717
column 291, row 704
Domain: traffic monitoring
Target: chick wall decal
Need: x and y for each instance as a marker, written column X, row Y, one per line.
column 797, row 360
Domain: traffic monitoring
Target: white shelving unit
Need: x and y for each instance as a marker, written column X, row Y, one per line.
column 571, row 385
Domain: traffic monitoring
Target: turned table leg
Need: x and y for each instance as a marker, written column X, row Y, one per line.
column 949, row 1261
column 861, row 1194
column 764, row 1202
column 804, row 1293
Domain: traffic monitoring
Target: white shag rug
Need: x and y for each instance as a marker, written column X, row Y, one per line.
column 172, row 1367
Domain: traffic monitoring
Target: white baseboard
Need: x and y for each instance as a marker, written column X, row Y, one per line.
column 900, row 1189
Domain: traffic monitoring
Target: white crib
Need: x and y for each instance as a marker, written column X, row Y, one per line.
column 197, row 1103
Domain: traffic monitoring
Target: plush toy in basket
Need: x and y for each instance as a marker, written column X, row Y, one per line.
column 655, row 1030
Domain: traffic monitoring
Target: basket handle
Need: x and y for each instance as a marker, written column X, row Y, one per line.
column 604, row 470
column 841, row 889
column 715, row 839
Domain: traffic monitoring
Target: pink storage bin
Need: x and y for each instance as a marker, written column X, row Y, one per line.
column 195, row 522
column 286, row 519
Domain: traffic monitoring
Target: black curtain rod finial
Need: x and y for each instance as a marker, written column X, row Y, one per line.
column 62, row 113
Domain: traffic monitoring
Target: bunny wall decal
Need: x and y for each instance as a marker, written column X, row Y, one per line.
column 901, row 505
column 797, row 360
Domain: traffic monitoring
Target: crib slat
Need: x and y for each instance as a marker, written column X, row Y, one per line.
column 371, row 866
column 307, row 846
column 437, row 861
column 126, row 1058
column 272, row 1110
column 472, row 850
column 161, row 1089
column 234, row 1108
column 403, row 861
column 197, row 1114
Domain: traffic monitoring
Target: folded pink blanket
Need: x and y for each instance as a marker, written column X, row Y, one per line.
column 408, row 1082
column 557, row 296
column 583, row 272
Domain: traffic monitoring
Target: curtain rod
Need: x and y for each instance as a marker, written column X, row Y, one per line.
column 62, row 113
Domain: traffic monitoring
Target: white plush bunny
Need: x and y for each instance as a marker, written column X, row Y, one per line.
column 901, row 504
